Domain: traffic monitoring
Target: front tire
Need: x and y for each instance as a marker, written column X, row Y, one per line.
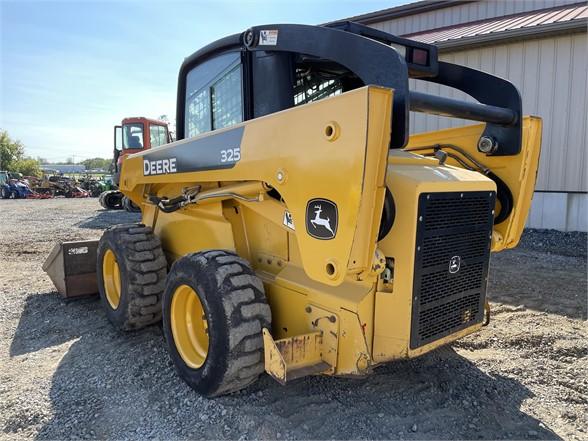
column 214, row 309
column 131, row 270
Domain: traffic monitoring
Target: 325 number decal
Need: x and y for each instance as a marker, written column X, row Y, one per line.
column 230, row 155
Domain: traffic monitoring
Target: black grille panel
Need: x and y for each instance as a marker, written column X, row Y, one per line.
column 441, row 284
column 451, row 264
column 442, row 213
column 449, row 315
column 439, row 248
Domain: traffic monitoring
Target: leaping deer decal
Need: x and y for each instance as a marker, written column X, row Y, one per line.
column 320, row 221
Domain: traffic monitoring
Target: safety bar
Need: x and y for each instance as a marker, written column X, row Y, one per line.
column 374, row 58
column 438, row 105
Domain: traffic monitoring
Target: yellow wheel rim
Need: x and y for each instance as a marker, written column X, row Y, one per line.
column 189, row 326
column 111, row 275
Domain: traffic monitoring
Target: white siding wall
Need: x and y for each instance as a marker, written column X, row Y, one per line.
column 552, row 76
column 559, row 211
column 465, row 13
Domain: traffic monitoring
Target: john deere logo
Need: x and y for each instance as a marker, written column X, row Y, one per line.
column 454, row 264
column 321, row 219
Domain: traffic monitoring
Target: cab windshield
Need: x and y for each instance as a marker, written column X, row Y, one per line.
column 132, row 136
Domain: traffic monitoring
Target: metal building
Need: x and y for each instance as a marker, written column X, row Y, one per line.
column 539, row 45
column 64, row 168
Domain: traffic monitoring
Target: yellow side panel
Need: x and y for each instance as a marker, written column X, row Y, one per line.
column 519, row 172
column 194, row 229
column 334, row 149
column 265, row 236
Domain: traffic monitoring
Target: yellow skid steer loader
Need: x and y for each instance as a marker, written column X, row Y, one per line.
column 296, row 227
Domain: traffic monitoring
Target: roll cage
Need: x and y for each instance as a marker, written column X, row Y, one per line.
column 347, row 55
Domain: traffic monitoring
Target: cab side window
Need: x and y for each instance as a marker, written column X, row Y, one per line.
column 214, row 94
column 158, row 135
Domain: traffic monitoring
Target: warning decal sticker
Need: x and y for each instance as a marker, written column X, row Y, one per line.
column 268, row 37
column 288, row 222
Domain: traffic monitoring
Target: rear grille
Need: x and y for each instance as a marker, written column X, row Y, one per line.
column 439, row 285
column 451, row 264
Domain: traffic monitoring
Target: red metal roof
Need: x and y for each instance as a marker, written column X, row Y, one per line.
column 524, row 21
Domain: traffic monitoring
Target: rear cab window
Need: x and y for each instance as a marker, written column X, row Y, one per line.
column 214, row 94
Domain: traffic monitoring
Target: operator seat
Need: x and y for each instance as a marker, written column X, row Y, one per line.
column 135, row 142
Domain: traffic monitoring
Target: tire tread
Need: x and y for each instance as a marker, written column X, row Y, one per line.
column 147, row 271
column 246, row 312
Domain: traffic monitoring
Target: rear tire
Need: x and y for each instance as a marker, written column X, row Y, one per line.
column 111, row 200
column 131, row 270
column 5, row 193
column 130, row 206
column 235, row 311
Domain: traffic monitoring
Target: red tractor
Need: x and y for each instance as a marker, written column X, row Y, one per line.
column 134, row 135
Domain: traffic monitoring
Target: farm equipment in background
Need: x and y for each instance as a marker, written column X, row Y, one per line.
column 39, row 191
column 54, row 184
column 15, row 186
column 132, row 136
column 15, row 175
column 94, row 186
column 65, row 186
column 15, row 189
column 297, row 226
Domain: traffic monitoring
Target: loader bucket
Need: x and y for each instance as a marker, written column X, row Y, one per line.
column 72, row 268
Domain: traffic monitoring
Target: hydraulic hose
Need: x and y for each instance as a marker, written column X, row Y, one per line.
column 503, row 193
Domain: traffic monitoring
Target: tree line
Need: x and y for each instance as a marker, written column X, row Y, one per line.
column 14, row 159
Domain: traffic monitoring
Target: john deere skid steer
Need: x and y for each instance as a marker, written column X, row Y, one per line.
column 297, row 226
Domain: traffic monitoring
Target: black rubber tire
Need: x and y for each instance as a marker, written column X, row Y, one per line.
column 236, row 309
column 143, row 269
column 113, row 200
column 130, row 206
column 101, row 199
column 5, row 193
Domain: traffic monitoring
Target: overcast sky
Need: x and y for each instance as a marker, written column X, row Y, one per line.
column 71, row 70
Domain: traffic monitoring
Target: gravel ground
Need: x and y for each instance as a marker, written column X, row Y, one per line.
column 65, row 373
